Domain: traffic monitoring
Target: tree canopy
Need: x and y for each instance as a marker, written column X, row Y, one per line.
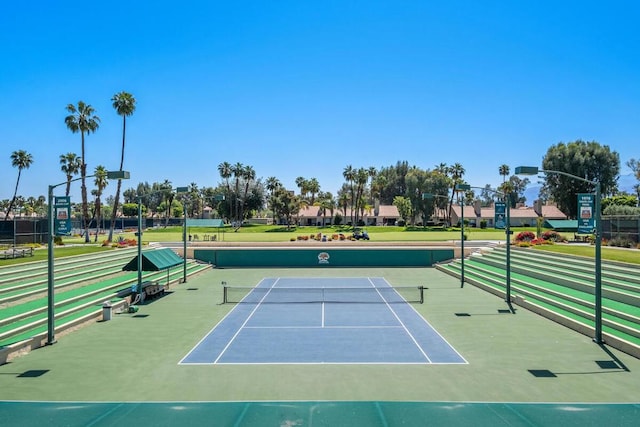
column 587, row 160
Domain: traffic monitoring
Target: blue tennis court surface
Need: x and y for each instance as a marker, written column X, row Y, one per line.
column 323, row 320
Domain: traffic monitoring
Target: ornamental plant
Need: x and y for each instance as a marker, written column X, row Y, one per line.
column 553, row 236
column 525, row 236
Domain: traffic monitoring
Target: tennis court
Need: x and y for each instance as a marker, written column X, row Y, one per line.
column 522, row 369
column 323, row 320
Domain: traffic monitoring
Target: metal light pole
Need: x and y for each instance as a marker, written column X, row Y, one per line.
column 184, row 233
column 51, row 333
column 508, row 240
column 51, row 339
column 139, row 236
column 508, row 233
column 534, row 170
column 458, row 188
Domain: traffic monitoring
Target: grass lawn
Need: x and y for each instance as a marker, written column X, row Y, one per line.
column 262, row 233
column 611, row 254
column 40, row 254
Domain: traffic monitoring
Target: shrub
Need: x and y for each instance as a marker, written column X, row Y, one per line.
column 525, row 236
column 57, row 240
column 620, row 242
column 553, row 236
column 483, row 224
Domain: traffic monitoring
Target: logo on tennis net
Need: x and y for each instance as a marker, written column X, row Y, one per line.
column 323, row 258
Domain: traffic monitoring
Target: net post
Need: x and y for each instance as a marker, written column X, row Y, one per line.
column 421, row 294
column 224, row 292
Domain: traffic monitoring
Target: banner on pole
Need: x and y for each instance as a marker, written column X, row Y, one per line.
column 62, row 212
column 500, row 218
column 586, row 219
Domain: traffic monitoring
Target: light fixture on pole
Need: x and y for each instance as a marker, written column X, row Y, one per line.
column 533, row 170
column 51, row 338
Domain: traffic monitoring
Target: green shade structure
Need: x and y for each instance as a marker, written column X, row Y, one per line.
column 155, row 260
column 533, row 170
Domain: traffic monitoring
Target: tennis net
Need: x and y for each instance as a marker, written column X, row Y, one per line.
column 282, row 295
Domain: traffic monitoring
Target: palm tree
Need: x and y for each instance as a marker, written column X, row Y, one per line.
column 100, row 182
column 349, row 175
column 272, row 184
column 504, row 172
column 224, row 169
column 326, row 203
column 373, row 172
column 301, row 183
column 442, row 168
column 167, row 196
column 124, row 104
column 70, row 165
column 22, row 160
column 83, row 119
column 248, row 175
column 237, row 170
column 313, row 186
column 456, row 172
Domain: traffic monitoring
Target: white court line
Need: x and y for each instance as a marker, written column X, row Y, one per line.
column 245, row 322
column 323, row 327
column 403, row 325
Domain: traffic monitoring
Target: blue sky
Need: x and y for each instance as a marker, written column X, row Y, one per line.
column 302, row 88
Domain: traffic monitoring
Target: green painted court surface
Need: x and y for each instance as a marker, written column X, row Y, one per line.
column 523, row 369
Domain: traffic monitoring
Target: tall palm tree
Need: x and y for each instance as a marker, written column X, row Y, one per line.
column 349, row 175
column 248, row 175
column 124, row 104
column 22, row 160
column 82, row 119
column 361, row 178
column 504, row 172
column 272, row 184
column 101, row 183
column 313, row 186
column 237, row 170
column 456, row 173
column 224, row 169
column 373, row 172
column 70, row 165
column 301, row 183
column 167, row 196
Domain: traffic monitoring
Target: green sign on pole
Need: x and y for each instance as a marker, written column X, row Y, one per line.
column 586, row 218
column 62, row 212
column 500, row 216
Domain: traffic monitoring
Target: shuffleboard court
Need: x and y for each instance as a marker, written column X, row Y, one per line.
column 358, row 320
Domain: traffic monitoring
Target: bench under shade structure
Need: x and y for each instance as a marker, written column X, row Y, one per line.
column 155, row 260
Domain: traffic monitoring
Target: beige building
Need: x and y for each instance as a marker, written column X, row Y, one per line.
column 521, row 216
column 381, row 215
